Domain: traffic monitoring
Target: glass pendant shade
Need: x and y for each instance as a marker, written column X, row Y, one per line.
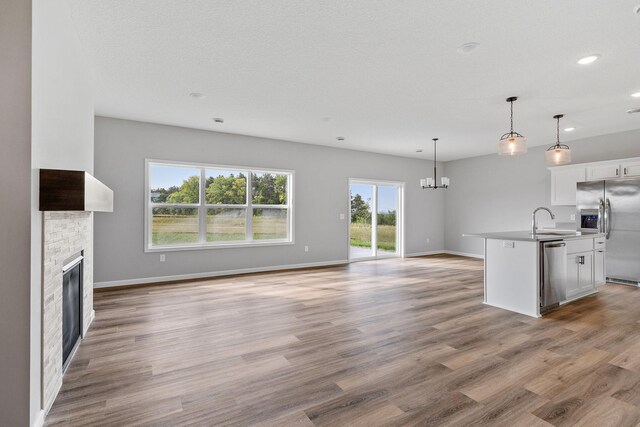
column 512, row 145
column 558, row 155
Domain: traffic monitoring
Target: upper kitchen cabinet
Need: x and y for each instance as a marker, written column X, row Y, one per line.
column 563, row 184
column 565, row 178
column 617, row 169
column 603, row 171
column 631, row 168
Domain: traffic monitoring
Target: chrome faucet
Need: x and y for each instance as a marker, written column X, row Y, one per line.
column 534, row 227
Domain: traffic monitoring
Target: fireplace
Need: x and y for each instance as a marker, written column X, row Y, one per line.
column 72, row 293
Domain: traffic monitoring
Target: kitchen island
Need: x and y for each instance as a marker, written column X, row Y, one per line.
column 533, row 273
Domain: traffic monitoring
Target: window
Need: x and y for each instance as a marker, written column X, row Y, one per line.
column 201, row 206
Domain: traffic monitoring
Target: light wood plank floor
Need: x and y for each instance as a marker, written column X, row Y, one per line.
column 390, row 342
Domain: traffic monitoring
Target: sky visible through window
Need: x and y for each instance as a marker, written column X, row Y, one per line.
column 386, row 195
column 170, row 176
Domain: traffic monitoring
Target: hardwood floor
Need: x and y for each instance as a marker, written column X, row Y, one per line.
column 389, row 342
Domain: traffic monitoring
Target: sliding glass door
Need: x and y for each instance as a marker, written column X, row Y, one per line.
column 375, row 227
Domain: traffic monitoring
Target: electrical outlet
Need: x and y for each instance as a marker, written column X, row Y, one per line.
column 510, row 245
column 573, row 217
column 342, row 216
column 306, row 248
column 163, row 257
column 428, row 240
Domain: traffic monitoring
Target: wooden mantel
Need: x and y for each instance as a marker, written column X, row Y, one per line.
column 70, row 190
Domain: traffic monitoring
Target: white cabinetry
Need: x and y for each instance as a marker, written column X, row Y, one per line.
column 631, row 168
column 599, row 261
column 565, row 178
column 563, row 184
column 580, row 267
column 604, row 171
column 579, row 274
column 599, row 268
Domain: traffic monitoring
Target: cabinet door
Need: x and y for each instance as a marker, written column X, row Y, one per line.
column 573, row 288
column 563, row 185
column 585, row 272
column 631, row 168
column 603, row 171
column 599, row 268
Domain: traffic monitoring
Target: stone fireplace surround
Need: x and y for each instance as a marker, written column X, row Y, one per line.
column 64, row 234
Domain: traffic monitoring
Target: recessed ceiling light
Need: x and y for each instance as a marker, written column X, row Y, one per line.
column 197, row 95
column 340, row 138
column 588, row 59
column 636, row 95
column 419, row 150
column 468, row 48
column 569, row 129
column 633, row 111
column 637, row 9
column 218, row 120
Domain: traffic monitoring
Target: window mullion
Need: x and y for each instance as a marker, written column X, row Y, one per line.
column 249, row 213
column 202, row 210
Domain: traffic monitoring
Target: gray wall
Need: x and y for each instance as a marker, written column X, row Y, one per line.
column 15, row 188
column 492, row 193
column 62, row 135
column 321, row 194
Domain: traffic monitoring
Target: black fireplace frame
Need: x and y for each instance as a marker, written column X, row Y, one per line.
column 71, row 264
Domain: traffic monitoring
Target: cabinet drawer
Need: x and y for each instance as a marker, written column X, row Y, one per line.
column 599, row 243
column 580, row 245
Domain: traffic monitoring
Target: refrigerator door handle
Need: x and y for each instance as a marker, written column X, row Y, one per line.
column 607, row 218
column 601, row 224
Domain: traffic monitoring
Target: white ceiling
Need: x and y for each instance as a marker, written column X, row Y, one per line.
column 383, row 74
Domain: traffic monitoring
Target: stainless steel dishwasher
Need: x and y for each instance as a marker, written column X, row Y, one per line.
column 553, row 274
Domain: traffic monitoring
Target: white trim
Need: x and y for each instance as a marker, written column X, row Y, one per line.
column 441, row 252
column 39, row 420
column 400, row 229
column 466, row 254
column 72, row 264
column 203, row 206
column 417, row 254
column 157, row 279
column 240, row 244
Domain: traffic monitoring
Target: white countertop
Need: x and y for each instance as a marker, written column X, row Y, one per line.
column 541, row 236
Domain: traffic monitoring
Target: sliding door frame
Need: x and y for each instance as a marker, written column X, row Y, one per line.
column 400, row 216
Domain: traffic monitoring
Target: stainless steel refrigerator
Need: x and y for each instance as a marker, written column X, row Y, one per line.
column 613, row 207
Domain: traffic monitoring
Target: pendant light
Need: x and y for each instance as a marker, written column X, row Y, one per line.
column 512, row 143
column 432, row 182
column 558, row 154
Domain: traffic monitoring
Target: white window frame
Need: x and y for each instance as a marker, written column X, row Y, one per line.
column 202, row 208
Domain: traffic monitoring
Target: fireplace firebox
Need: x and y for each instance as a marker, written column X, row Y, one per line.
column 71, row 308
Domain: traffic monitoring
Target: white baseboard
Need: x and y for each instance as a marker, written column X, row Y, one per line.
column 470, row 255
column 415, row 254
column 39, row 421
column 465, row 254
column 145, row 280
